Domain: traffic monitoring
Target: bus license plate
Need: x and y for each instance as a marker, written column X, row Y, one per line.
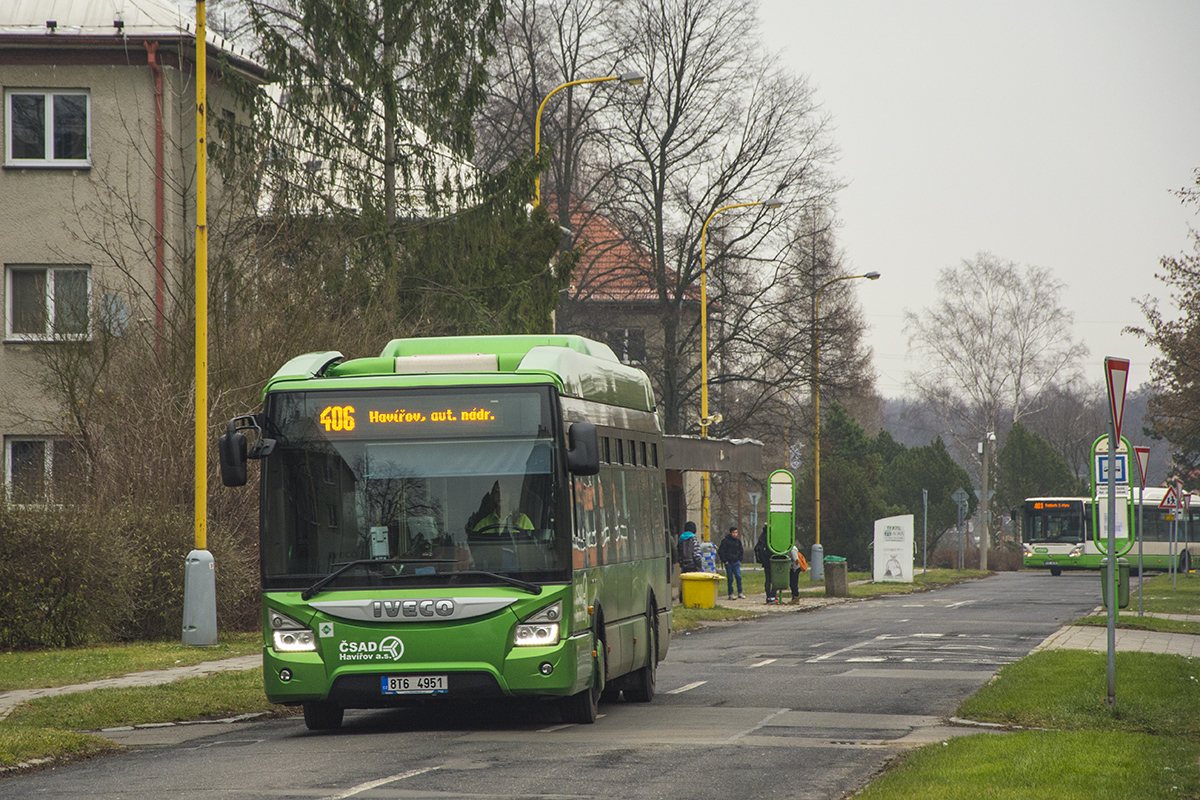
column 1050, row 563
column 414, row 684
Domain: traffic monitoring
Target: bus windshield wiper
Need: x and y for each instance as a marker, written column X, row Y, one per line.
column 311, row 591
column 532, row 588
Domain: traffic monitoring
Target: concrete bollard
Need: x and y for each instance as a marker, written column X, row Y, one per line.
column 837, row 584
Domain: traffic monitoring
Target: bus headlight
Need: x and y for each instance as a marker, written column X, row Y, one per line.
column 289, row 636
column 541, row 629
column 1027, row 548
column 1076, row 551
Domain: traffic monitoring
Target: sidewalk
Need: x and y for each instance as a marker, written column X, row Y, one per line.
column 1092, row 637
column 10, row 700
column 812, row 595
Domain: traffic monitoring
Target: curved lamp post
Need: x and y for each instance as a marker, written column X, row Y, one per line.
column 627, row 78
column 705, row 419
column 817, row 568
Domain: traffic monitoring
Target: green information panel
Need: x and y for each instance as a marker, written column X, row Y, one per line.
column 780, row 534
column 1123, row 534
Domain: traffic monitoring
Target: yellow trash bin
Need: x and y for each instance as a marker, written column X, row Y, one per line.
column 699, row 589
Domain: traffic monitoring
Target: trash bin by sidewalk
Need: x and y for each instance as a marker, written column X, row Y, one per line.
column 699, row 589
column 1122, row 578
column 837, row 582
column 779, row 566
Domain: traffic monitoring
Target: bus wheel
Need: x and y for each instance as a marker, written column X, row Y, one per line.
column 1056, row 570
column 583, row 707
column 322, row 715
column 641, row 684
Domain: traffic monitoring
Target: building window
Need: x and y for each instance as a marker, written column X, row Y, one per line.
column 47, row 303
column 40, row 470
column 629, row 344
column 47, row 129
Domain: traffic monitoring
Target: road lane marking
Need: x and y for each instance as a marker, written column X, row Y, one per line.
column 687, row 688
column 826, row 656
column 365, row 787
column 762, row 663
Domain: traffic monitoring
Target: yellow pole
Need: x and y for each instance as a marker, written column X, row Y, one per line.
column 201, row 439
column 537, row 128
column 199, row 573
column 704, row 420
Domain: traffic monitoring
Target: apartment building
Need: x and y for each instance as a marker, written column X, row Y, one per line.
column 97, row 188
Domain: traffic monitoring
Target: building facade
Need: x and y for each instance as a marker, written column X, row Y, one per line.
column 97, row 191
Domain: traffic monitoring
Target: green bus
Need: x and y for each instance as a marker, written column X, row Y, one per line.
column 1063, row 533
column 459, row 518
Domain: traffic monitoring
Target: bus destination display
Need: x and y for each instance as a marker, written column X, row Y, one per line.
column 360, row 416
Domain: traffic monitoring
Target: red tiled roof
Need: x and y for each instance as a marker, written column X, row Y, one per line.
column 612, row 268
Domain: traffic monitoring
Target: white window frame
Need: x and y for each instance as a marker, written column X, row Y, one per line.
column 48, row 159
column 49, row 335
column 47, row 497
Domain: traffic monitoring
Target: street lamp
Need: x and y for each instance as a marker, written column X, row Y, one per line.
column 628, row 78
column 817, row 570
column 705, row 419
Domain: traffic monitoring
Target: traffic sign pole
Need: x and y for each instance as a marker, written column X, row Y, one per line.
column 1116, row 375
column 1142, row 454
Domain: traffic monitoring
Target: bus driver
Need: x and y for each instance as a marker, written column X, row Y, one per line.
column 491, row 516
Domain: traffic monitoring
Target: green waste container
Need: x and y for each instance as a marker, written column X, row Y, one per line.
column 1122, row 578
column 780, row 566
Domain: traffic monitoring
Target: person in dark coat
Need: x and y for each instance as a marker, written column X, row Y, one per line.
column 731, row 552
column 762, row 552
column 689, row 550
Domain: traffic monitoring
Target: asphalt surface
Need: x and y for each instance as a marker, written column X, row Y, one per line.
column 805, row 703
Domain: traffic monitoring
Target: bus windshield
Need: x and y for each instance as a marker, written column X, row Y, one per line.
column 426, row 487
column 1053, row 521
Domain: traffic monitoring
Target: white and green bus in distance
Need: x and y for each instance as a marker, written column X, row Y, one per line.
column 1163, row 540
column 1057, row 533
column 459, row 518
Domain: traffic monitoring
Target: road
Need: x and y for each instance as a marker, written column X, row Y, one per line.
column 805, row 705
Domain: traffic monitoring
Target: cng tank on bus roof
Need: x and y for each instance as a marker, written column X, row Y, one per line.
column 582, row 367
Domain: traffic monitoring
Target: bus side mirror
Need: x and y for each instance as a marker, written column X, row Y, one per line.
column 232, row 449
column 584, row 456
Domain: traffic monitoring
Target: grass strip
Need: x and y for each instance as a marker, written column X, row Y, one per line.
column 52, row 727
column 1034, row 765
column 1157, row 693
column 1135, row 623
column 217, row 696
column 1161, row 597
column 48, row 668
column 21, row 745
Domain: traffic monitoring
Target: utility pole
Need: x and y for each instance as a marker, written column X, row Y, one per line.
column 985, row 499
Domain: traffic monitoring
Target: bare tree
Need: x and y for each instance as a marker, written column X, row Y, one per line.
column 722, row 124
column 1070, row 418
column 993, row 344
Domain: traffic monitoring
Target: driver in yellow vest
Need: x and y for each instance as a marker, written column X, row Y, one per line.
column 497, row 518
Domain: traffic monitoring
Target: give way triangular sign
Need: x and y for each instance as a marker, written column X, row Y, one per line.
column 1170, row 499
column 1116, row 375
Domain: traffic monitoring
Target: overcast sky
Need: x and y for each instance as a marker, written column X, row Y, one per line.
column 1047, row 133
